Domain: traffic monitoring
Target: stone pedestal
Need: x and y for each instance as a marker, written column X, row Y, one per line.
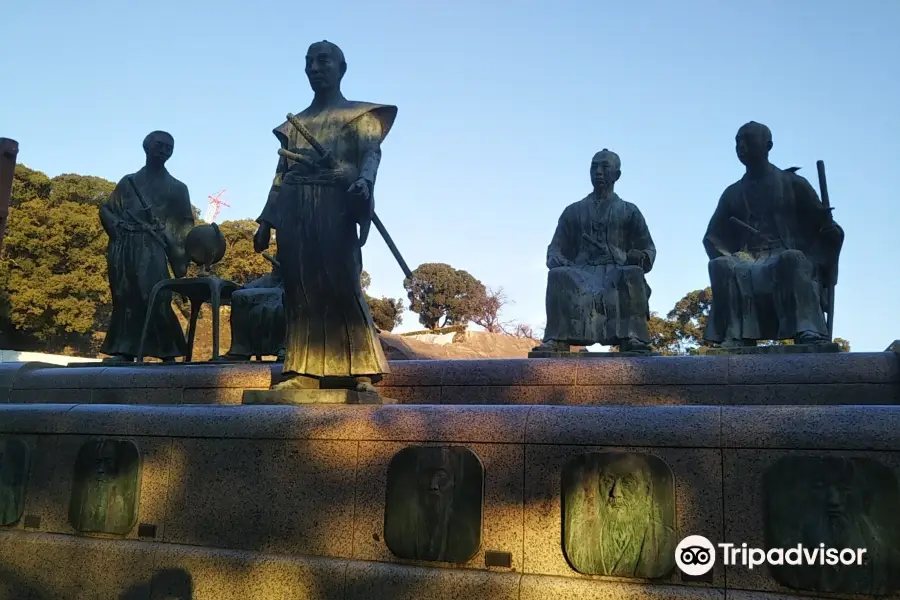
column 790, row 349
column 313, row 397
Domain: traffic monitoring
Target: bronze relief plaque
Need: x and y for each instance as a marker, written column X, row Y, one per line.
column 831, row 502
column 15, row 460
column 106, row 489
column 434, row 504
column 618, row 515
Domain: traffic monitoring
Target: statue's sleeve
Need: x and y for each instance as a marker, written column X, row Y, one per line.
column 111, row 209
column 812, row 213
column 180, row 217
column 641, row 238
column 370, row 133
column 561, row 249
column 268, row 215
column 717, row 232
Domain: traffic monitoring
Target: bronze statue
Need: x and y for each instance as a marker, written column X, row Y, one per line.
column 323, row 191
column 257, row 318
column 146, row 217
column 619, row 515
column 773, row 253
column 596, row 290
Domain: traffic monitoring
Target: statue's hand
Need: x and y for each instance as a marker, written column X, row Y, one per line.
column 360, row 188
column 831, row 233
column 635, row 257
column 556, row 261
column 262, row 237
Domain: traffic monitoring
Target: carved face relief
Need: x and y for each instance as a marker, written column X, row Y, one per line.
column 619, row 515
column 434, row 502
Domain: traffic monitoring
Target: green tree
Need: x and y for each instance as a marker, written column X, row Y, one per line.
column 439, row 292
column 681, row 332
column 386, row 312
column 241, row 263
column 53, row 285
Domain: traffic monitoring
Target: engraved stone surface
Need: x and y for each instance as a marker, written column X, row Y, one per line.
column 14, row 463
column 435, row 498
column 324, row 396
column 619, row 515
column 841, row 503
column 106, row 490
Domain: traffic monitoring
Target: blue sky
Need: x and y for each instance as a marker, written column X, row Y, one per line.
column 501, row 107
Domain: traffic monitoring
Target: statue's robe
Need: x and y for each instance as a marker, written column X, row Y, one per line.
column 257, row 318
column 597, row 297
column 136, row 261
column 769, row 286
column 329, row 327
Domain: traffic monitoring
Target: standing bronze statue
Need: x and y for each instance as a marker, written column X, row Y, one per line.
column 146, row 217
column 773, row 253
column 323, row 192
column 596, row 290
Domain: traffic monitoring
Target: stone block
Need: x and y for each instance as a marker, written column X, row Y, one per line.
column 380, row 581
column 322, row 396
column 286, row 497
column 537, row 587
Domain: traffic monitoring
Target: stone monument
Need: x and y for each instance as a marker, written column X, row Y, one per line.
column 596, row 290
column 773, row 252
column 146, row 217
column 321, row 207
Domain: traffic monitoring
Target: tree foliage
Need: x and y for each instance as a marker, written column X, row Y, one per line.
column 386, row 312
column 443, row 296
column 681, row 331
column 53, row 285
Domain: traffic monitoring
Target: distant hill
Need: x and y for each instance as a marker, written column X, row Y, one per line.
column 396, row 347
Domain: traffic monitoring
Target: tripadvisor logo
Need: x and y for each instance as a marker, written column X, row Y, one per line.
column 695, row 555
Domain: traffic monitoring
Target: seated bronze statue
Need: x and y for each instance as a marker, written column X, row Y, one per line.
column 773, row 250
column 257, row 319
column 596, row 291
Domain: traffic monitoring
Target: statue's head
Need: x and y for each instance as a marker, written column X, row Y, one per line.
column 158, row 146
column 437, row 478
column 838, row 493
column 605, row 169
column 753, row 143
column 325, row 66
column 105, row 461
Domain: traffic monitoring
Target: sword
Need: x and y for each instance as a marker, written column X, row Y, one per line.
column 826, row 201
column 329, row 159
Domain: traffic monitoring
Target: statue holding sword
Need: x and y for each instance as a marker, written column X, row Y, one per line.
column 773, row 248
column 321, row 206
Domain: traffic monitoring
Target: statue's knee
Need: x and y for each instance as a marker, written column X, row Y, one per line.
column 721, row 266
column 793, row 259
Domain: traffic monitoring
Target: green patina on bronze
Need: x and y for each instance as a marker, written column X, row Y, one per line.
column 842, row 503
column 106, row 489
column 14, row 466
column 618, row 511
column 435, row 498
